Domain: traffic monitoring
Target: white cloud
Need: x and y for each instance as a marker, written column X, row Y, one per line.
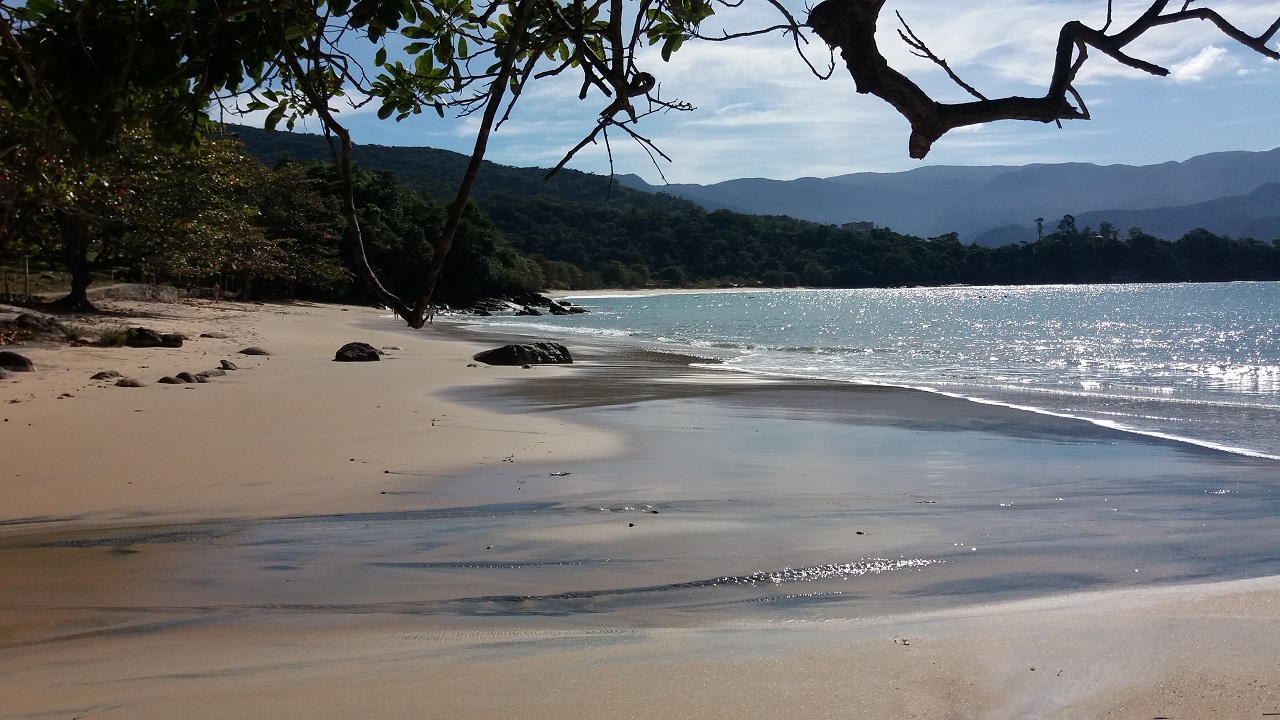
column 1210, row 61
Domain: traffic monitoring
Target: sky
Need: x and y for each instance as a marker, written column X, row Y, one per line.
column 762, row 113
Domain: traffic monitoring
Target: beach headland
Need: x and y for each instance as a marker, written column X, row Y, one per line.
column 624, row 537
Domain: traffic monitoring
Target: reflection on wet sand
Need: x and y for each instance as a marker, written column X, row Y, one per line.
column 739, row 501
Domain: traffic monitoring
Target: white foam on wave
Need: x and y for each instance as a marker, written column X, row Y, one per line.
column 1100, row 422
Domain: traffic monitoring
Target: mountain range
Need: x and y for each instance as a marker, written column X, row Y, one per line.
column 1229, row 193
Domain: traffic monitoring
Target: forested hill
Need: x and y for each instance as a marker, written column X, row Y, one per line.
column 576, row 239
column 438, row 172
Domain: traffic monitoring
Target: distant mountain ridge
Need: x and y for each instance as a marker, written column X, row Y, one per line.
column 993, row 205
column 1226, row 193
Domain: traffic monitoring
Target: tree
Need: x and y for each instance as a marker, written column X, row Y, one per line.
column 295, row 58
column 84, row 86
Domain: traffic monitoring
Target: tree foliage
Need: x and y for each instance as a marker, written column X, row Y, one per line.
column 77, row 76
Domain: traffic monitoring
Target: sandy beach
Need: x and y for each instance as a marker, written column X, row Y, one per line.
column 420, row 538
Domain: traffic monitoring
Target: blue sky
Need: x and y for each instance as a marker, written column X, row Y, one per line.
column 761, row 113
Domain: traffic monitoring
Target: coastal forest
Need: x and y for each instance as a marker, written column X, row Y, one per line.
column 261, row 213
column 111, row 166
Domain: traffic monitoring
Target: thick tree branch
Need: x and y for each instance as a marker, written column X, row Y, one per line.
column 318, row 97
column 507, row 68
column 850, row 26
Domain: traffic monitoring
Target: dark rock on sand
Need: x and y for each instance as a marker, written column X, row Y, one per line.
column 215, row 335
column 39, row 325
column 541, row 353
column 216, row 372
column 187, row 377
column 140, row 337
column 171, row 340
column 356, row 352
column 170, row 380
column 128, row 382
column 254, row 351
column 105, row 375
column 10, row 360
column 227, row 365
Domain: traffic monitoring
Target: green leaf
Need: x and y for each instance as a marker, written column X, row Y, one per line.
column 671, row 45
column 380, row 57
column 274, row 117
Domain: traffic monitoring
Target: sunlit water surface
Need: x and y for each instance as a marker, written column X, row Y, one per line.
column 1199, row 362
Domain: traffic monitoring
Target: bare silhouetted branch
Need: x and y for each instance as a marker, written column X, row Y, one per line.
column 850, row 26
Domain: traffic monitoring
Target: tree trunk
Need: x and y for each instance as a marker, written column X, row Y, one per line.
column 75, row 255
column 78, row 299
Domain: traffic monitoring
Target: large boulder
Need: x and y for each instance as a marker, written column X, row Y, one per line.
column 10, row 360
column 539, row 353
column 356, row 352
column 171, row 340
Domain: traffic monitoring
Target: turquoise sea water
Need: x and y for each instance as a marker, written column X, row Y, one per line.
column 1195, row 362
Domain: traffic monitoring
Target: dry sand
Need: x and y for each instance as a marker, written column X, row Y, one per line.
column 292, row 433
column 298, row 434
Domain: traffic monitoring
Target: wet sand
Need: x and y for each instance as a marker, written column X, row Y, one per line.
column 659, row 542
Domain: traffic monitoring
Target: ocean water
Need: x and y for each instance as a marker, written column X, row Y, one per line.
column 1192, row 362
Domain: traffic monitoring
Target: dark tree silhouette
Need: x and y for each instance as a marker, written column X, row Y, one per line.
column 850, row 26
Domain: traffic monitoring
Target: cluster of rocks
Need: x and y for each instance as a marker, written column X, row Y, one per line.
column 531, row 304
column 181, row 378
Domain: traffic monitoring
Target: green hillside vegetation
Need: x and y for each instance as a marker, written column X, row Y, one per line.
column 210, row 213
column 581, row 236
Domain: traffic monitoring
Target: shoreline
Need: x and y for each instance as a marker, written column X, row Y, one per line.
column 1181, row 650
